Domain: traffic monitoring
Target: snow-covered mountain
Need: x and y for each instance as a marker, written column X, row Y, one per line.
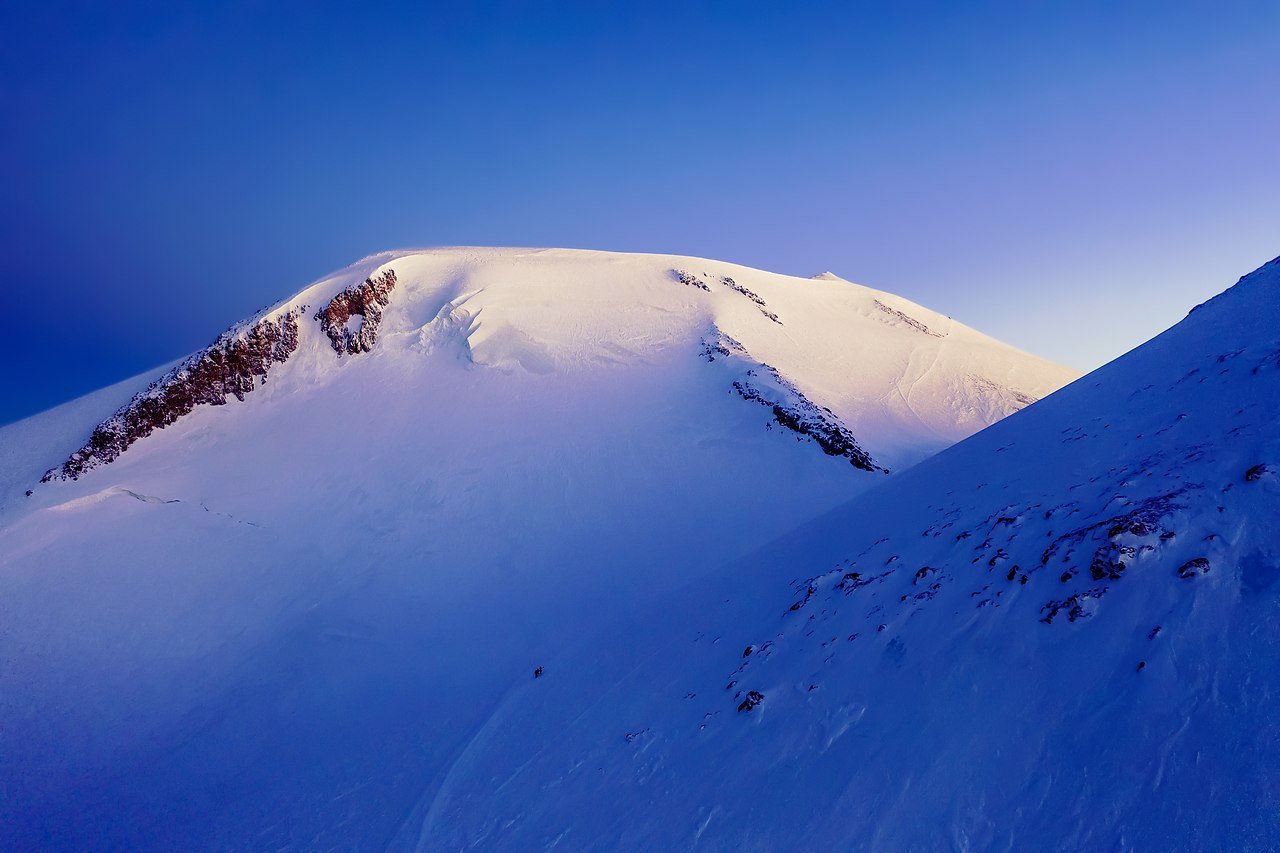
column 269, row 595
column 1058, row 634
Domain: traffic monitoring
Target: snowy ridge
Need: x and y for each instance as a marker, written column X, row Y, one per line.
column 1057, row 633
column 240, row 359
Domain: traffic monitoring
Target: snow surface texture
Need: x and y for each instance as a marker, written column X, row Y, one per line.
column 275, row 604
column 1059, row 634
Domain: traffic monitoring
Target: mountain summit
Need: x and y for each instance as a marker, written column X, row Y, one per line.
column 906, row 380
column 273, row 591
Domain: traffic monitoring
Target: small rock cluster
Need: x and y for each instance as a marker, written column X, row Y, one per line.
column 908, row 319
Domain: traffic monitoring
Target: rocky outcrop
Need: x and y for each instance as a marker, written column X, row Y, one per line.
column 762, row 383
column 232, row 366
column 813, row 422
column 690, row 280
column 908, row 320
column 1193, row 568
column 351, row 318
column 752, row 295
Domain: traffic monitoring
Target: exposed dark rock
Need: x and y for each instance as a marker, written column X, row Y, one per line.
column 908, row 319
column 1193, row 568
column 1144, row 517
column 764, row 308
column 537, row 673
column 1136, row 526
column 808, row 594
column 856, row 580
column 365, row 301
column 722, row 346
column 690, row 279
column 927, row 594
column 794, row 410
column 1108, row 562
column 809, row 420
column 1076, row 606
column 1255, row 473
column 754, row 698
column 233, row 365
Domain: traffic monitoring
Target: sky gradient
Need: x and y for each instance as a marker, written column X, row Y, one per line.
column 1070, row 180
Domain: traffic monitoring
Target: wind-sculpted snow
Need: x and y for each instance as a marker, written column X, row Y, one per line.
column 1057, row 634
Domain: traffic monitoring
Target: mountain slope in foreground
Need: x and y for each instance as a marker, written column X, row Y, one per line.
column 264, row 597
column 1060, row 633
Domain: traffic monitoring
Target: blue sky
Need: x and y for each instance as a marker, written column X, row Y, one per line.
column 1068, row 177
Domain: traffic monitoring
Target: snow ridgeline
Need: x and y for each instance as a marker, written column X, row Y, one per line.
column 243, row 356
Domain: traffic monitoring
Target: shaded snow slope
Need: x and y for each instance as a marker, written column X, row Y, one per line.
column 1059, row 634
column 271, row 599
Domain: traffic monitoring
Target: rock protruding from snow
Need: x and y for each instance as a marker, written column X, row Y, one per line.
column 233, row 365
column 364, row 301
column 903, row 317
column 762, row 383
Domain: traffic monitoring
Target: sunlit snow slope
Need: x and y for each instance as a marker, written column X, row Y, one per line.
column 270, row 599
column 1059, row 634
